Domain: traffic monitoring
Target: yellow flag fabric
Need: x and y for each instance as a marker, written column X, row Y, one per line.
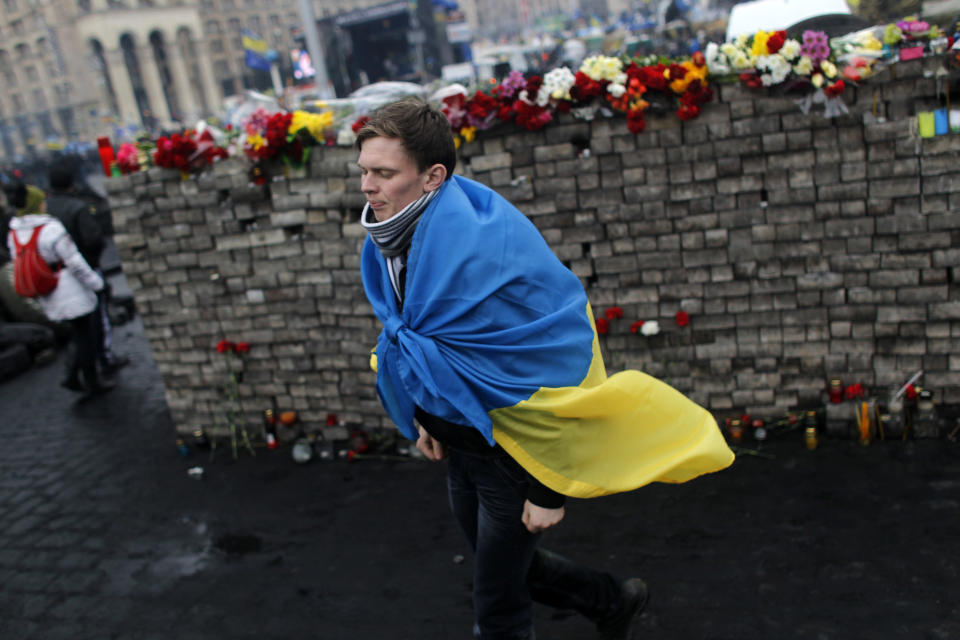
column 611, row 434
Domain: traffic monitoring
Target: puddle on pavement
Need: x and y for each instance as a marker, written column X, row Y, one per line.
column 238, row 544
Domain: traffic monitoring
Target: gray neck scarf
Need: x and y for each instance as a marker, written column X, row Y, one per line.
column 393, row 236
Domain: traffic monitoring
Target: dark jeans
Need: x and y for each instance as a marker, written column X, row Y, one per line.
column 86, row 347
column 487, row 496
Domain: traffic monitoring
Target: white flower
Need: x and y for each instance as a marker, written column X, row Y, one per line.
column 717, row 62
column 346, row 137
column 600, row 68
column 741, row 41
column 777, row 69
column 741, row 61
column 790, row 50
column 650, row 328
column 556, row 85
column 803, row 67
column 728, row 49
column 829, row 69
column 615, row 89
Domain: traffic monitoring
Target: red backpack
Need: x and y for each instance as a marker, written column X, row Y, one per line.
column 32, row 276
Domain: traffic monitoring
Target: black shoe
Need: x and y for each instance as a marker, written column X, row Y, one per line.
column 111, row 367
column 73, row 384
column 623, row 625
column 102, row 387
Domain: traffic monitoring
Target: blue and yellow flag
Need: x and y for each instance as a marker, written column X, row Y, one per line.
column 497, row 334
column 256, row 51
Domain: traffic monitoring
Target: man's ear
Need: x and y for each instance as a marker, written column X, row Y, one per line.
column 435, row 177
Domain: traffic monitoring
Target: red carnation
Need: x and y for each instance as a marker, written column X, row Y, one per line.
column 635, row 121
column 331, row 419
column 775, row 41
column 225, row 346
column 359, row 122
column 585, row 88
column 835, row 89
column 613, row 312
column 911, row 392
column 677, row 72
column 602, row 325
column 242, row 347
column 682, row 318
column 636, row 326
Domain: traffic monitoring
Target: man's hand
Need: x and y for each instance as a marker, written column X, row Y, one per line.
column 537, row 519
column 430, row 448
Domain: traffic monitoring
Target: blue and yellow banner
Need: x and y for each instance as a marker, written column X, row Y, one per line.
column 497, row 335
column 256, row 51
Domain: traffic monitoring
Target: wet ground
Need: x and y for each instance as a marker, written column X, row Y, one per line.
column 103, row 534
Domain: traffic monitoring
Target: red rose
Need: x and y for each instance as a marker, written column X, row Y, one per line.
column 584, row 88
column 688, row 112
column 613, row 312
column 242, row 347
column 911, row 392
column 682, row 318
column 636, row 326
column 331, row 419
column 636, row 122
column 351, row 455
column 602, row 325
column 225, row 346
column 698, row 59
column 775, row 41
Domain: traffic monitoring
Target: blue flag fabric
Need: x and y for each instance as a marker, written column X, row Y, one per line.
column 489, row 317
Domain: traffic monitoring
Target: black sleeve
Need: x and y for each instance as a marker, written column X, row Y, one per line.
column 89, row 234
column 542, row 495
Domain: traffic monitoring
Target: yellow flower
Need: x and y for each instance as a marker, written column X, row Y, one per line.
column 759, row 47
column 314, row 123
column 255, row 141
column 456, row 141
column 468, row 133
column 829, row 69
column 817, row 80
column 693, row 73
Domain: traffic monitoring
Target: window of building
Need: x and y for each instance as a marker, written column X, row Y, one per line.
column 216, row 46
column 39, row 100
column 11, row 5
column 228, row 5
column 84, row 6
column 11, row 78
column 4, row 58
column 31, row 72
column 206, row 5
column 250, row 4
column 274, row 20
column 254, row 23
column 234, row 25
column 211, row 27
column 17, row 26
column 23, row 51
column 18, row 104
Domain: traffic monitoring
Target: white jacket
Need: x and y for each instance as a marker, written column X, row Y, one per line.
column 74, row 295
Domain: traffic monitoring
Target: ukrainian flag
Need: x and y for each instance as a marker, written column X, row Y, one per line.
column 497, row 334
column 255, row 50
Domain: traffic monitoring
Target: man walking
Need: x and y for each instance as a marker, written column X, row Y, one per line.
column 489, row 344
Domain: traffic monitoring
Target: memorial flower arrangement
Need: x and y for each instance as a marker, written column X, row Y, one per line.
column 283, row 135
column 233, row 409
column 602, row 84
column 187, row 151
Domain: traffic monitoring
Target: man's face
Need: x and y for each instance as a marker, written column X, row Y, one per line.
column 389, row 177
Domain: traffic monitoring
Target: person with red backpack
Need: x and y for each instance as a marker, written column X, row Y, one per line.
column 66, row 289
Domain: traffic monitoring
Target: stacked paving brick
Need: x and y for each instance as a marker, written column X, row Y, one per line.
column 802, row 248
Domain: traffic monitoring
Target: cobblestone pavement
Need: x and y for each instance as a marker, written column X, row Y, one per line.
column 104, row 535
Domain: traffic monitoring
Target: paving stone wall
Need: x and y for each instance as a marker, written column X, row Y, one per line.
column 802, row 248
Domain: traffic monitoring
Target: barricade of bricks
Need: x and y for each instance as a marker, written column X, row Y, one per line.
column 802, row 248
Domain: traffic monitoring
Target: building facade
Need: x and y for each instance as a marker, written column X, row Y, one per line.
column 76, row 69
